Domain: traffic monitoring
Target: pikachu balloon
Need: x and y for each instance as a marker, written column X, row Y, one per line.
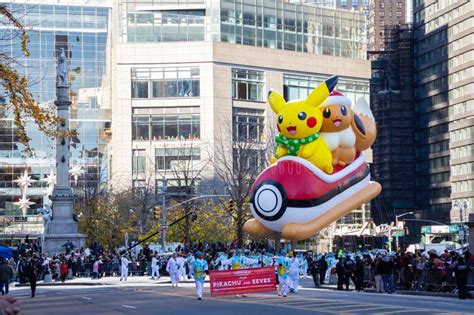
column 299, row 123
column 302, row 191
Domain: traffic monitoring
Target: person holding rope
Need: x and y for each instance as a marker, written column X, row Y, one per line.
column 283, row 264
column 200, row 269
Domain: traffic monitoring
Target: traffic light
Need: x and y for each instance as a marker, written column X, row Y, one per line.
column 157, row 213
column 230, row 205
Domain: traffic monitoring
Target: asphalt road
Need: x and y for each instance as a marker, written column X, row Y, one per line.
column 163, row 299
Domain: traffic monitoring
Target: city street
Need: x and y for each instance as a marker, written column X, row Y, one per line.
column 159, row 298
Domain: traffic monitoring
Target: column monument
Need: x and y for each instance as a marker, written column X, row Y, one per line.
column 63, row 228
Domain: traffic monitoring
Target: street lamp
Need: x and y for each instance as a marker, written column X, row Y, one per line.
column 464, row 206
column 396, row 223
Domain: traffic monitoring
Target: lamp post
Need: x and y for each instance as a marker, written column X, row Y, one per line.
column 396, row 223
column 461, row 208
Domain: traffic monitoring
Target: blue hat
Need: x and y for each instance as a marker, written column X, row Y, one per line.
column 238, row 252
column 198, row 254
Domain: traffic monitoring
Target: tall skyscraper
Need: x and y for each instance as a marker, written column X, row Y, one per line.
column 392, row 103
column 82, row 29
column 444, row 81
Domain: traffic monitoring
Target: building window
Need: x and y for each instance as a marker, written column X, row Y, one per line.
column 169, row 124
column 355, row 3
column 248, row 160
column 139, row 184
column 138, row 161
column 139, row 89
column 299, row 86
column 141, row 128
column 179, row 186
column 248, row 125
column 165, row 82
column 344, row 3
column 169, row 158
column 247, row 85
column 165, row 26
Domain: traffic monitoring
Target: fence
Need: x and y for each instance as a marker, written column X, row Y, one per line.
column 429, row 279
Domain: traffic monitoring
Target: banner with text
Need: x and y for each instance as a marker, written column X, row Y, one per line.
column 241, row 281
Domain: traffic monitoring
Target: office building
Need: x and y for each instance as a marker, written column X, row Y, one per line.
column 383, row 15
column 392, row 103
column 444, row 81
column 186, row 71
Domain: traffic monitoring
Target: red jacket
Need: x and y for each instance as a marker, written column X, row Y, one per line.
column 63, row 268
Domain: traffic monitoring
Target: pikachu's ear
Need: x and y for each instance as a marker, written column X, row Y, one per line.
column 277, row 102
column 321, row 92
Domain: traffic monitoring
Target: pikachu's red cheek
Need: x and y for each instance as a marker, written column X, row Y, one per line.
column 311, row 122
column 278, row 126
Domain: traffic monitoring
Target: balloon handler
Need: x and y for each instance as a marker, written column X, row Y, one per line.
column 303, row 191
column 200, row 270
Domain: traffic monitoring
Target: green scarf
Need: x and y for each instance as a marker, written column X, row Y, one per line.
column 293, row 145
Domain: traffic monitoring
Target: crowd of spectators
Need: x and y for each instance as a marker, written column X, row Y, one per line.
column 385, row 272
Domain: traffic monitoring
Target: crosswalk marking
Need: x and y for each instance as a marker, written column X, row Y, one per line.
column 128, row 306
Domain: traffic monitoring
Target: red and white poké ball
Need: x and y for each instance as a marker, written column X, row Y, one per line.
column 296, row 198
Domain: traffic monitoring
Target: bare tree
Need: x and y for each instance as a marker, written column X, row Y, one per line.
column 237, row 161
column 183, row 165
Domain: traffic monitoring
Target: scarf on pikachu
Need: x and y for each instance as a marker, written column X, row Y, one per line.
column 293, row 145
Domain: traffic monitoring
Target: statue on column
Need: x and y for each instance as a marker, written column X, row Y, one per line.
column 62, row 71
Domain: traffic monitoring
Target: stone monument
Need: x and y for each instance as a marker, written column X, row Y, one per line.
column 63, row 228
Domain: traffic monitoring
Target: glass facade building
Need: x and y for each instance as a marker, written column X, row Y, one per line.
column 83, row 31
column 261, row 23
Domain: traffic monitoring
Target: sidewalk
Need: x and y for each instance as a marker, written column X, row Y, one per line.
column 133, row 280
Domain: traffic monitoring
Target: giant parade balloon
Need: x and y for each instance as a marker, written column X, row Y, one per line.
column 318, row 173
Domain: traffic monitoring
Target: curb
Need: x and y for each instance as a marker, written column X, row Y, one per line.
column 53, row 284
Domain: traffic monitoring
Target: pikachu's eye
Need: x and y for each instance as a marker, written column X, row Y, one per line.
column 301, row 115
column 343, row 110
column 327, row 112
column 280, row 119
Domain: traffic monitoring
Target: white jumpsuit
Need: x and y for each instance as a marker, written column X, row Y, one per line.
column 124, row 268
column 182, row 269
column 155, row 268
column 173, row 269
column 294, row 274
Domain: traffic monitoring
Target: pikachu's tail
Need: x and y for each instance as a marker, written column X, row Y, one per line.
column 364, row 125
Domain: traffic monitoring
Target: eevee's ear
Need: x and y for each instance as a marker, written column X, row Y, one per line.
column 276, row 101
column 322, row 91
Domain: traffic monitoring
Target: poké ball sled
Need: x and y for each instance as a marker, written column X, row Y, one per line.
column 296, row 198
column 304, row 191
